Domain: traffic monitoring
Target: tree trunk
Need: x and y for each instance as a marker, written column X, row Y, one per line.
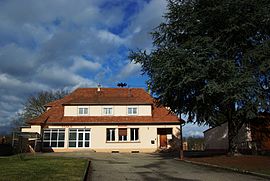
column 232, row 131
column 181, row 154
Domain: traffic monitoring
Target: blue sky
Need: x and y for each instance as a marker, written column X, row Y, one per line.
column 65, row 44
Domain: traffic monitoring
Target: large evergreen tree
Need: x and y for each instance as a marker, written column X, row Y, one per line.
column 211, row 61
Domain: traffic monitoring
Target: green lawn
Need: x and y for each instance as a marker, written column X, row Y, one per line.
column 41, row 168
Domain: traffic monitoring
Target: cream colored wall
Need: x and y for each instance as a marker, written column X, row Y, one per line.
column 217, row 138
column 71, row 110
column 145, row 110
column 145, row 135
column 98, row 138
column 119, row 110
column 32, row 129
column 176, row 131
column 95, row 110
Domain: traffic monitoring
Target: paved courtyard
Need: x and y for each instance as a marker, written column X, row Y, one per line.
column 137, row 166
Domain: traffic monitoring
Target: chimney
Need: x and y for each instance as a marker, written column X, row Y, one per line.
column 98, row 87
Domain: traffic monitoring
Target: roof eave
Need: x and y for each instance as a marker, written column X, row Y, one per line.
column 113, row 123
column 122, row 103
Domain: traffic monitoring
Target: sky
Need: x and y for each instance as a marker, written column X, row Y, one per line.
column 66, row 44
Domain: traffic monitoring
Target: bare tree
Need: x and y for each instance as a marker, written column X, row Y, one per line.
column 35, row 106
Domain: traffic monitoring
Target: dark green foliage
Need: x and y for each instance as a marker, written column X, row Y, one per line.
column 6, row 150
column 211, row 60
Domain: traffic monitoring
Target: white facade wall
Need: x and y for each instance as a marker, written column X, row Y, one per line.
column 94, row 110
column 118, row 110
column 217, row 138
column 32, row 129
column 148, row 138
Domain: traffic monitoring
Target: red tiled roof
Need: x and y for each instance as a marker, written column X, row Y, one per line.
column 110, row 96
column 107, row 96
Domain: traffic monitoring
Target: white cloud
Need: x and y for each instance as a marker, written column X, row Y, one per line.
column 16, row 60
column 42, row 44
column 80, row 64
column 12, row 84
column 89, row 14
column 194, row 130
column 130, row 69
column 60, row 77
column 109, row 37
column 39, row 34
column 138, row 33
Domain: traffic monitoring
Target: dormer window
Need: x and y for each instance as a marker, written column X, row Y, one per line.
column 83, row 111
column 132, row 111
column 107, row 111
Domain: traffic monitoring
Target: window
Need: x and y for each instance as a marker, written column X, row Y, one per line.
column 83, row 111
column 54, row 138
column 107, row 111
column 110, row 134
column 132, row 111
column 79, row 138
column 122, row 132
column 134, row 134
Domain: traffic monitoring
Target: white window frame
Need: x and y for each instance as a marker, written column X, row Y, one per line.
column 84, row 108
column 105, row 113
column 134, row 134
column 80, row 131
column 50, row 131
column 110, row 134
column 132, row 112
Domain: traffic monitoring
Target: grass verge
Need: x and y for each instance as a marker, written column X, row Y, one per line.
column 41, row 168
column 257, row 164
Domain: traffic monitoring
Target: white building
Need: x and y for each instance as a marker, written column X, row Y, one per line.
column 106, row 119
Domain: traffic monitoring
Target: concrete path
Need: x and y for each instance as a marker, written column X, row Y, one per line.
column 141, row 167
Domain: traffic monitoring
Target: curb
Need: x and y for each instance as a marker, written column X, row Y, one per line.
column 227, row 168
column 86, row 171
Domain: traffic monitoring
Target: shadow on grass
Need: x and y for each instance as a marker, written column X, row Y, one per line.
column 6, row 150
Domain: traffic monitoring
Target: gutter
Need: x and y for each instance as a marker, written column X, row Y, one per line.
column 120, row 103
column 102, row 123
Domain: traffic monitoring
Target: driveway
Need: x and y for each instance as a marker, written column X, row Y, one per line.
column 138, row 166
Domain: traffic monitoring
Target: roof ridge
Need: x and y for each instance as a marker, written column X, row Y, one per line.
column 110, row 88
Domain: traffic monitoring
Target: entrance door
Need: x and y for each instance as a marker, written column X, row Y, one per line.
column 80, row 139
column 163, row 141
column 163, row 132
